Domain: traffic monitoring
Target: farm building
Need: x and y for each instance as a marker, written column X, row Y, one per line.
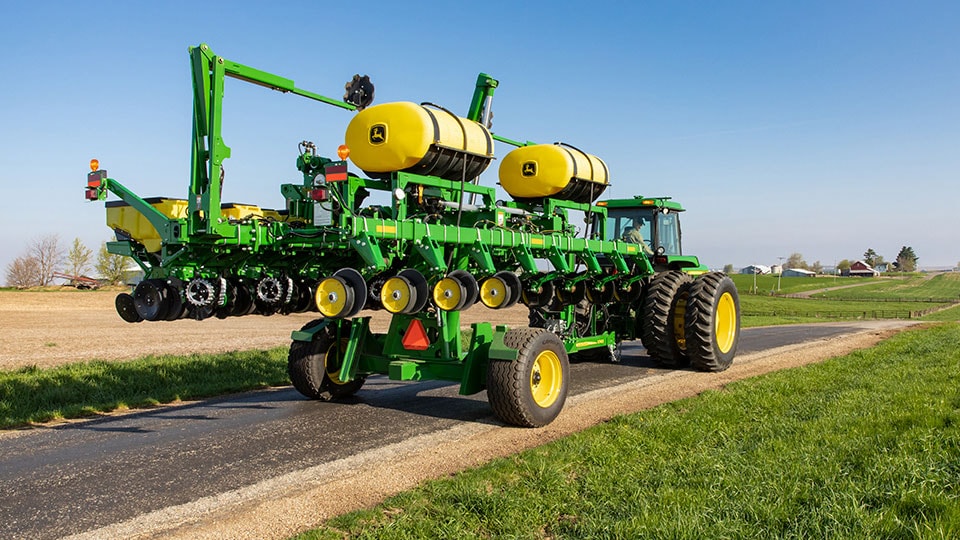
column 798, row 272
column 861, row 269
column 755, row 269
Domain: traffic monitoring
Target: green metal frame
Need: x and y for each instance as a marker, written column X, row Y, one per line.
column 430, row 229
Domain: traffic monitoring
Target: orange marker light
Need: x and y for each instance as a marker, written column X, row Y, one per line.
column 94, row 164
column 343, row 151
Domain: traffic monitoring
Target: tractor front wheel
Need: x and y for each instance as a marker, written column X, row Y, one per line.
column 712, row 322
column 531, row 390
column 314, row 366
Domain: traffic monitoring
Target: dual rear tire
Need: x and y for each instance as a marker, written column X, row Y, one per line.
column 695, row 322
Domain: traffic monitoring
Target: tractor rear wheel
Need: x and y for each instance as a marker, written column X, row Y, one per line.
column 712, row 322
column 531, row 390
column 314, row 367
column 662, row 328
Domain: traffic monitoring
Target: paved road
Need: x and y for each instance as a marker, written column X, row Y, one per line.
column 77, row 477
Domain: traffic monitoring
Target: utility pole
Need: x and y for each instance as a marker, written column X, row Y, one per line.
column 780, row 275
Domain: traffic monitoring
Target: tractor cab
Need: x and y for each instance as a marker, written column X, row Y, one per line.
column 652, row 222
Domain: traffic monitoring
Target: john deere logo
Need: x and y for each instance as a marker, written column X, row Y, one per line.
column 378, row 134
column 529, row 168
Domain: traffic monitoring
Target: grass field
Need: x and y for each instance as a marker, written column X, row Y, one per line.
column 767, row 284
column 82, row 389
column 847, row 298
column 941, row 286
column 864, row 446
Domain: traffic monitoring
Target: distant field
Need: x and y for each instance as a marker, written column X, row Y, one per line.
column 909, row 297
column 941, row 286
column 768, row 284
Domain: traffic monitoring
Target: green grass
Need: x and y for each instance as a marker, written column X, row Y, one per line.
column 912, row 287
column 827, row 309
column 767, row 284
column 950, row 314
column 880, row 298
column 31, row 394
column 863, row 446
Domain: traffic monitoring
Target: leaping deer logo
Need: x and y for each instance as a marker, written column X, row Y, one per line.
column 378, row 134
column 529, row 168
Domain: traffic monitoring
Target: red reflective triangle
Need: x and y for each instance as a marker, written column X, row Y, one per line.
column 415, row 338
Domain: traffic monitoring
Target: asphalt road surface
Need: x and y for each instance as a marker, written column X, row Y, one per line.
column 76, row 477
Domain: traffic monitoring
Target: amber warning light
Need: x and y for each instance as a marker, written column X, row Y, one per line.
column 343, row 151
column 94, row 180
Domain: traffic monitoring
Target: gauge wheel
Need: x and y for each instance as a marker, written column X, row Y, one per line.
column 314, row 367
column 531, row 390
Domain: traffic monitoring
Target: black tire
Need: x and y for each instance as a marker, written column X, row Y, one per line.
column 311, row 371
column 712, row 322
column 531, row 390
column 662, row 329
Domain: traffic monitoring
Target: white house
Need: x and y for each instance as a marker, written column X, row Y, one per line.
column 755, row 269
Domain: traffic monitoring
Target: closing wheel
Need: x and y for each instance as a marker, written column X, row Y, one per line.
column 531, row 390
column 243, row 303
column 629, row 293
column 334, row 297
column 573, row 294
column 663, row 318
column 501, row 290
column 449, row 294
column 304, row 299
column 397, row 294
column 126, row 308
column 470, row 286
column 419, row 284
column 355, row 282
column 537, row 297
column 598, row 293
column 151, row 299
column 314, row 367
column 176, row 307
column 712, row 322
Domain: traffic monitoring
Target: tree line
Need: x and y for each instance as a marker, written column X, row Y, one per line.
column 46, row 256
column 906, row 261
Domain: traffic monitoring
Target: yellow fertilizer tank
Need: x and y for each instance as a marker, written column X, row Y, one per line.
column 127, row 219
column 130, row 222
column 557, row 170
column 427, row 140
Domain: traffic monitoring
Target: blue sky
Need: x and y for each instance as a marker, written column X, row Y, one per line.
column 820, row 127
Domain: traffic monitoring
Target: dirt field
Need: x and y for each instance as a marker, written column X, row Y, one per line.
column 57, row 327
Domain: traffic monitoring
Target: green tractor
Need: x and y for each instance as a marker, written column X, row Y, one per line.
column 418, row 236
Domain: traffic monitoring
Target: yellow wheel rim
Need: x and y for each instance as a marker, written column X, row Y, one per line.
column 679, row 316
column 546, row 378
column 331, row 297
column 333, row 361
column 448, row 294
column 493, row 292
column 396, row 294
column 726, row 322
